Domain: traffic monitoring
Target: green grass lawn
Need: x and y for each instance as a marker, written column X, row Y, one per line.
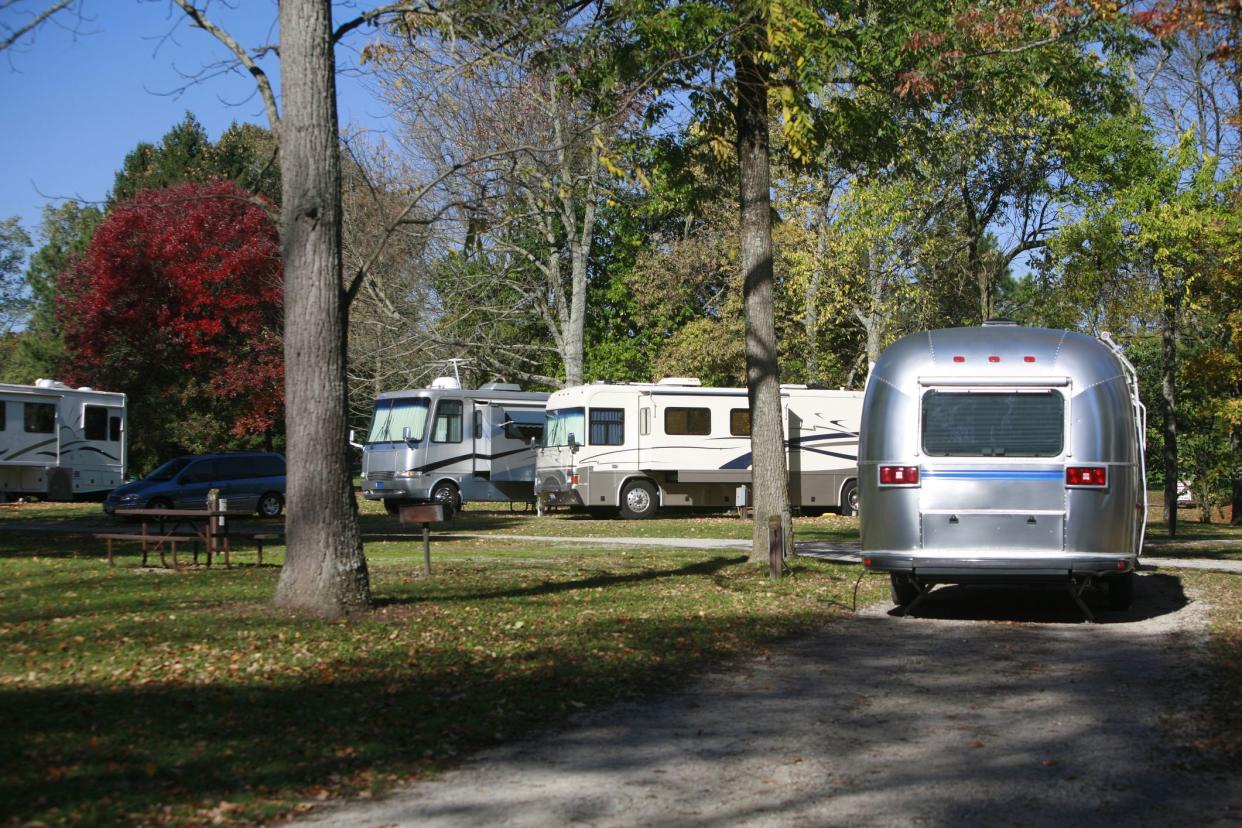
column 147, row 696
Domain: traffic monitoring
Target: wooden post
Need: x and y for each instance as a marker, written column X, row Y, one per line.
column 427, row 549
column 776, row 546
column 423, row 514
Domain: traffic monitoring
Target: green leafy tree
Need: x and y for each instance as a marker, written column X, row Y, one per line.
column 14, row 304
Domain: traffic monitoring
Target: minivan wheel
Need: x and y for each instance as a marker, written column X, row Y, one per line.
column 270, row 505
column 159, row 503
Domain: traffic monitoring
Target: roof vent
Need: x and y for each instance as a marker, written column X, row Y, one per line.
column 999, row 323
column 692, row 382
column 449, row 383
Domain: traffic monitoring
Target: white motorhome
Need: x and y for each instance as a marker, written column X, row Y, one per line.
column 636, row 447
column 446, row 444
column 60, row 443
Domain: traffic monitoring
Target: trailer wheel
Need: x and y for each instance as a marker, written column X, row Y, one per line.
column 447, row 495
column 902, row 588
column 1120, row 591
column 638, row 500
column 849, row 499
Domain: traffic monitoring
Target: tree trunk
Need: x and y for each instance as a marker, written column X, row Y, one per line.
column 1168, row 339
column 325, row 571
column 770, row 483
column 1235, row 497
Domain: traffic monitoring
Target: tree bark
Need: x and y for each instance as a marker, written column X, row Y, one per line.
column 325, row 571
column 1168, row 341
column 769, row 480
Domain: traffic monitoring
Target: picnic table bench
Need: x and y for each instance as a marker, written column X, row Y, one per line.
column 163, row 529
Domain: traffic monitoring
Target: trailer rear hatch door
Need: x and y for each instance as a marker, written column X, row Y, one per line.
column 993, row 474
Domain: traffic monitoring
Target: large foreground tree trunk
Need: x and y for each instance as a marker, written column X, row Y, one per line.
column 770, row 482
column 325, row 571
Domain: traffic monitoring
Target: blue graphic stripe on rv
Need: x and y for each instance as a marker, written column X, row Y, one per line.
column 744, row 461
column 993, row 474
column 439, row 464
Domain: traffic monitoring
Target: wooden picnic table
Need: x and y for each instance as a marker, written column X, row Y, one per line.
column 167, row 527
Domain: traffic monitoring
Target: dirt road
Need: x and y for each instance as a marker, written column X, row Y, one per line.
column 994, row 708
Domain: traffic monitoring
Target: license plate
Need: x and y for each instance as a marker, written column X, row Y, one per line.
column 379, row 484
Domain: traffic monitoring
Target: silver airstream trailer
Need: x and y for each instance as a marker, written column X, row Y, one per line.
column 1003, row 453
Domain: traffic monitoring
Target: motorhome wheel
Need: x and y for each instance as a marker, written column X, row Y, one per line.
column 638, row 500
column 447, row 494
column 849, row 499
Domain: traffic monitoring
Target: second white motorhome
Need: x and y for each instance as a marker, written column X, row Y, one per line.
column 446, row 444
column 60, row 443
column 636, row 447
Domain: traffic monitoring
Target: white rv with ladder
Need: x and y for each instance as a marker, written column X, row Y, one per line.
column 634, row 448
column 60, row 443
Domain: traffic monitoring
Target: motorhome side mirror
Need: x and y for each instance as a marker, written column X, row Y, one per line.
column 573, row 444
column 405, row 434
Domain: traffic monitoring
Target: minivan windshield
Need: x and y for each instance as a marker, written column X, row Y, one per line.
column 170, row 469
column 562, row 423
column 390, row 418
column 993, row 424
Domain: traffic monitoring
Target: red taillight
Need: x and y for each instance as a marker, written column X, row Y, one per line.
column 899, row 475
column 959, row 359
column 1028, row 359
column 993, row 359
column 1086, row 476
column 573, row 480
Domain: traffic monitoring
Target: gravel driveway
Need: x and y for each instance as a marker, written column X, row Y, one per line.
column 993, row 707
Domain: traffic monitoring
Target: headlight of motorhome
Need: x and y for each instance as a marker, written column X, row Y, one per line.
column 408, row 474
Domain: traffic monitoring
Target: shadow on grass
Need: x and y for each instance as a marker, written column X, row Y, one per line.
column 711, row 566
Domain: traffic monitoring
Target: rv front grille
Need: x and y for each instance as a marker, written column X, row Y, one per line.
column 379, row 475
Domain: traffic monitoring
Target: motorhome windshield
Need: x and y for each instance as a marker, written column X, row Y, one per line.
column 562, row 423
column 993, row 424
column 392, row 417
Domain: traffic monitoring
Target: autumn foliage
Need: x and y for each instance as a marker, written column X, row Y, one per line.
column 177, row 302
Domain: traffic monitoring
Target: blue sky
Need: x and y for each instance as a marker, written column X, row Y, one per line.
column 75, row 105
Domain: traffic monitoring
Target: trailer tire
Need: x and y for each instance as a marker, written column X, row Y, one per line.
column 447, row 495
column 1120, row 591
column 903, row 590
column 849, row 499
column 638, row 500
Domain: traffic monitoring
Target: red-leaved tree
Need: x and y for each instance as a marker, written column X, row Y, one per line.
column 178, row 303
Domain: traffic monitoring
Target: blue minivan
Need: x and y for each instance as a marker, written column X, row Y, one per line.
column 249, row 480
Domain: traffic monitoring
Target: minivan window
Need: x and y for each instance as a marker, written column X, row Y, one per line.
column 169, row 470
column 201, row 471
column 391, row 417
column 993, row 424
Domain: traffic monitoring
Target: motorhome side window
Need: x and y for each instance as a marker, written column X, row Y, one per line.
column 561, row 424
column 607, row 426
column 95, row 422
column 114, row 429
column 40, row 418
column 993, row 424
column 739, row 422
column 392, row 417
column 523, row 424
column 447, row 425
column 687, row 421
